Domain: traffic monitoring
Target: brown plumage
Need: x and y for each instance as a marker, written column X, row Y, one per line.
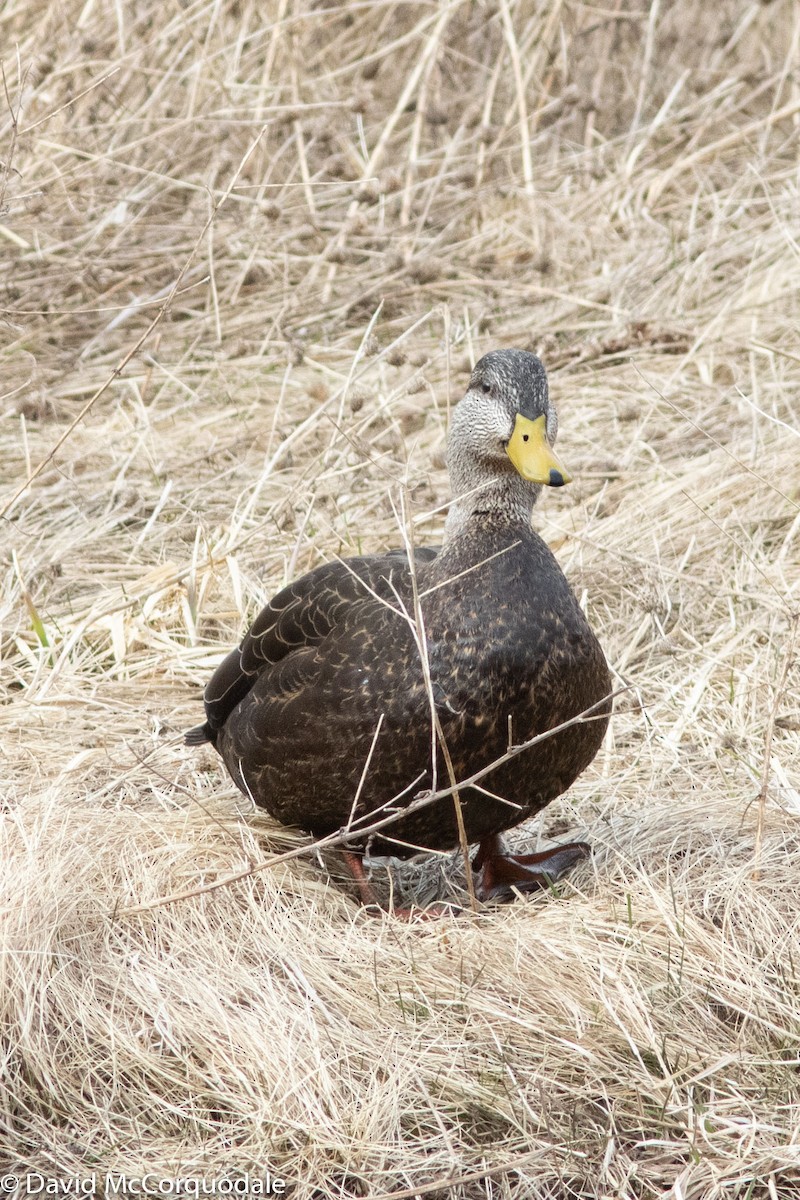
column 323, row 714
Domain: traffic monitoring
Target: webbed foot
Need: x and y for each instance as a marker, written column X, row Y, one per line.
column 502, row 875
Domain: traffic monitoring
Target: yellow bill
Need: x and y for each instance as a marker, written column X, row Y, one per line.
column 532, row 454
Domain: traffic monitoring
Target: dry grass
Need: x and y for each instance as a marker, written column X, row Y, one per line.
column 354, row 202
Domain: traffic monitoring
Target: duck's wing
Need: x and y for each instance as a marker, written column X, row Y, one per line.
column 298, row 617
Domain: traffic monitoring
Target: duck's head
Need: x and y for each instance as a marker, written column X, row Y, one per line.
column 500, row 445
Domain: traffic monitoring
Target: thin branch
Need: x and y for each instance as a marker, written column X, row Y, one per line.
column 344, row 837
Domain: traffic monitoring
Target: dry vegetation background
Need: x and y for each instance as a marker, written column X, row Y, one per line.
column 346, row 205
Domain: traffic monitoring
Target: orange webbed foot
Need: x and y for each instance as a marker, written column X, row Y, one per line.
column 502, row 875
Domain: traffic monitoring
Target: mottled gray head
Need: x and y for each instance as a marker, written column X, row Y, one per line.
column 518, row 381
column 506, row 423
column 500, row 447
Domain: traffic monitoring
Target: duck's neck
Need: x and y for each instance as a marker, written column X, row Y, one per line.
column 509, row 499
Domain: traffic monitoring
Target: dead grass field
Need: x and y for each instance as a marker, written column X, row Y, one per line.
column 344, row 206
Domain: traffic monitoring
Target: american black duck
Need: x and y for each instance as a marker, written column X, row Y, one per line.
column 323, row 714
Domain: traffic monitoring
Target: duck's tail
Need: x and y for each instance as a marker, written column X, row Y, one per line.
column 199, row 735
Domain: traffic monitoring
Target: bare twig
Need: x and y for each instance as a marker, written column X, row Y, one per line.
column 365, row 827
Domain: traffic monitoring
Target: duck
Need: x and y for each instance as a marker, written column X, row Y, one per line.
column 420, row 699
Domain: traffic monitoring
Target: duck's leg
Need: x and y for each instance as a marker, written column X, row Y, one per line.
column 501, row 874
column 355, row 865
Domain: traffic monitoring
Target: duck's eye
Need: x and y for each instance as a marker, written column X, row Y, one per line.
column 486, row 388
column 525, row 437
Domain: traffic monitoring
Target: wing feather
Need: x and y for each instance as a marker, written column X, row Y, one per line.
column 298, row 617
